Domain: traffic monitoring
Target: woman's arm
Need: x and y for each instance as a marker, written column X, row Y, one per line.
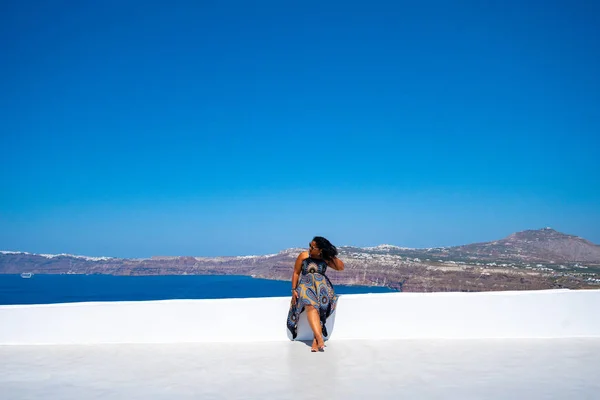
column 336, row 264
column 298, row 268
column 296, row 274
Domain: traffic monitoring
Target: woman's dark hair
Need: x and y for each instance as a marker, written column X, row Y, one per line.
column 328, row 251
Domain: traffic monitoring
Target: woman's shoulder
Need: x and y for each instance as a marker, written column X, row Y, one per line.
column 303, row 256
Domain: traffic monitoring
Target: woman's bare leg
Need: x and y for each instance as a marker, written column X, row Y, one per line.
column 315, row 324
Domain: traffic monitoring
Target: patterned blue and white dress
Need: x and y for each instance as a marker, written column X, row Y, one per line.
column 314, row 289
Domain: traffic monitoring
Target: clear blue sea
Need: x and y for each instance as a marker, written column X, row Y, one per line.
column 47, row 289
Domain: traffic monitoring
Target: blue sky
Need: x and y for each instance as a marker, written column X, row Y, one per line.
column 133, row 129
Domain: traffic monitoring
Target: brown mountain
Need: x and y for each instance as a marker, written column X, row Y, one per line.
column 533, row 259
column 542, row 245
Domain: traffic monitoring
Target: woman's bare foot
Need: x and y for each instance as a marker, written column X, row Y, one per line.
column 314, row 348
column 320, row 343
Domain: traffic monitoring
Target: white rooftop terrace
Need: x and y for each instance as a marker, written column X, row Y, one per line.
column 497, row 345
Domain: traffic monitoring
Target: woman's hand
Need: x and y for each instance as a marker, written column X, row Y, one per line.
column 294, row 297
column 336, row 264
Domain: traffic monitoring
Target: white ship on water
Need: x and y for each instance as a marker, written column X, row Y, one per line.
column 26, row 275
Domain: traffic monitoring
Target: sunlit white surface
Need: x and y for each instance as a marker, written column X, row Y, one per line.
column 519, row 314
column 498, row 345
column 348, row 369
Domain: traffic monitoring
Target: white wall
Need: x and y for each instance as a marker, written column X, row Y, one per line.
column 522, row 314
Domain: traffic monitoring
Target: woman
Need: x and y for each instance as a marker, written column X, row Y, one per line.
column 312, row 290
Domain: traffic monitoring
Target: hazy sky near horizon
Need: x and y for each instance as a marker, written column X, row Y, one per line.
column 139, row 128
